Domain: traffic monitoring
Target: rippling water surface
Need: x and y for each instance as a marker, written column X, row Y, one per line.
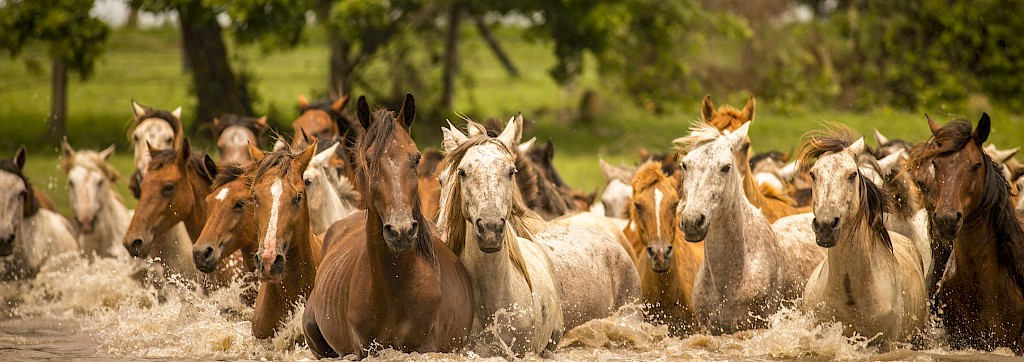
column 82, row 310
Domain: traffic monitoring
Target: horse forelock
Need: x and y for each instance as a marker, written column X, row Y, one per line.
column 91, row 160
column 648, row 174
column 160, row 114
column 835, row 138
column 165, row 158
column 947, row 140
column 700, row 134
column 726, row 116
column 226, row 173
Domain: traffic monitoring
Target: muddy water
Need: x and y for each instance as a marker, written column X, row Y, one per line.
column 97, row 311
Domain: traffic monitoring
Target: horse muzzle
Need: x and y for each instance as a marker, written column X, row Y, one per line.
column 137, row 247
column 694, row 227
column 7, row 245
column 401, row 238
column 826, row 233
column 490, row 234
column 271, row 266
column 660, row 257
column 86, row 224
column 948, row 226
column 206, row 258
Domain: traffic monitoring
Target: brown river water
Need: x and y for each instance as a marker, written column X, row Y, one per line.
column 77, row 310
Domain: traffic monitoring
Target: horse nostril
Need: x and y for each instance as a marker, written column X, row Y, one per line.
column 650, row 251
column 414, row 229
column 959, row 216
column 389, row 231
column 278, row 265
column 835, row 222
column 479, row 224
column 208, row 253
column 700, row 219
column 668, row 251
column 137, row 243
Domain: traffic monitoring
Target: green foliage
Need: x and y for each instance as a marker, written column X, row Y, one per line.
column 70, row 33
column 273, row 24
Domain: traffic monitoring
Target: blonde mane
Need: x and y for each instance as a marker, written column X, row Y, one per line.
column 90, row 159
column 515, row 224
column 701, row 133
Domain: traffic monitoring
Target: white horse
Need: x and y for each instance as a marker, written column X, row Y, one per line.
column 871, row 280
column 100, row 213
column 907, row 216
column 617, row 192
column 29, row 233
column 325, row 204
column 516, row 298
column 156, row 129
column 751, row 268
column 594, row 273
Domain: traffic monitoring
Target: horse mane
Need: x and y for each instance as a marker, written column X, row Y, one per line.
column 160, row 114
column 649, row 173
column 893, row 142
column 228, row 120
column 31, row 206
column 226, row 173
column 164, row 158
column 380, row 132
column 701, row 133
column 874, row 202
column 93, row 157
column 455, row 218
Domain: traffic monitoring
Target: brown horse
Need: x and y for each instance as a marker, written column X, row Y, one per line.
column 390, row 281
column 234, row 133
column 671, row 263
column 288, row 252
column 428, row 183
column 982, row 291
column 773, row 205
column 229, row 234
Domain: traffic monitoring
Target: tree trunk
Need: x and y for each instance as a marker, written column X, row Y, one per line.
column 339, row 64
column 133, row 16
column 58, row 99
column 451, row 56
column 217, row 89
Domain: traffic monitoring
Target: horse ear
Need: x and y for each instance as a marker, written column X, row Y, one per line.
column 857, row 147
column 339, row 104
column 303, row 159
column 210, row 167
column 20, row 156
column 186, row 151
column 363, row 112
column 984, row 127
column 324, row 156
column 889, row 163
column 880, row 139
column 138, row 110
column 788, row 172
column 508, row 135
column 109, row 151
column 932, row 125
column 606, row 169
column 303, row 102
column 408, row 112
column 519, row 128
column 748, row 110
column 255, row 152
column 707, row 108
column 525, row 146
column 66, row 150
column 177, row 113
column 738, row 136
column 644, row 154
column 262, row 121
column 452, row 138
column 549, row 151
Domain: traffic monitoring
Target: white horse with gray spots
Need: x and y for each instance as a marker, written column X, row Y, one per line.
column 751, row 268
column 100, row 213
column 30, row 234
column 323, row 184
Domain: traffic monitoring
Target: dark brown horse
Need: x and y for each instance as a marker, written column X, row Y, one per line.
column 386, row 278
column 288, row 252
column 982, row 291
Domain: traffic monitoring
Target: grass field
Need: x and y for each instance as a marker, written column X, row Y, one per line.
column 146, row 66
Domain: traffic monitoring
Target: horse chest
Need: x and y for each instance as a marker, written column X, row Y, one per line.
column 982, row 310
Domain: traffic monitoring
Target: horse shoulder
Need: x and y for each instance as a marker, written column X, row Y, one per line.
column 58, row 230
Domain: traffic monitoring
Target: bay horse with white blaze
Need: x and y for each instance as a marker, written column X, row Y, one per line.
column 386, row 278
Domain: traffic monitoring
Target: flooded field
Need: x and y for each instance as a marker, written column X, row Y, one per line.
column 75, row 309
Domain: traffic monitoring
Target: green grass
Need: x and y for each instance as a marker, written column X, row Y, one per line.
column 146, row 66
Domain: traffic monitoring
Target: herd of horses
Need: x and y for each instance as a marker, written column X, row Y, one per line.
column 481, row 245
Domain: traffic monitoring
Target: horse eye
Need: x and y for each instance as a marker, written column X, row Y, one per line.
column 852, row 176
column 416, row 159
column 168, row 189
column 99, row 183
column 71, row 184
column 976, row 166
column 136, row 138
column 813, row 178
column 169, row 140
column 239, row 205
column 638, row 207
column 512, row 172
column 297, row 199
column 726, row 168
column 683, row 165
column 23, row 195
column 462, row 173
column 308, row 182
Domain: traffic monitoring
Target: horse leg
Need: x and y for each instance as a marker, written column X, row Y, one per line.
column 314, row 339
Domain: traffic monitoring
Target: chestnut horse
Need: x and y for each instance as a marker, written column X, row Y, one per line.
column 234, row 133
column 982, row 291
column 390, row 282
column 667, row 263
column 229, row 234
column 288, row 252
column 428, row 183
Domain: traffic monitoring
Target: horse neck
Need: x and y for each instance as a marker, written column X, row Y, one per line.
column 195, row 218
column 977, row 242
column 174, row 248
column 737, row 232
column 859, row 252
column 389, row 270
column 112, row 219
column 492, row 273
column 330, row 202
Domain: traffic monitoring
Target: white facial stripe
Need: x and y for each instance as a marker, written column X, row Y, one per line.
column 222, row 194
column 657, row 210
column 270, row 239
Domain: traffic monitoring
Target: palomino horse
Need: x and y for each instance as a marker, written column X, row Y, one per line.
column 751, row 267
column 588, row 289
column 871, row 280
column 982, row 291
column 100, row 213
column 28, row 232
column 230, row 231
column 152, row 129
column 668, row 264
column 386, row 278
column 516, row 299
column 288, row 252
column 325, row 203
column 234, row 134
column 170, row 210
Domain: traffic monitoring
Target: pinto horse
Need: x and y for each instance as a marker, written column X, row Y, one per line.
column 234, row 133
column 667, row 264
column 288, row 252
column 872, row 279
column 982, row 290
column 386, row 277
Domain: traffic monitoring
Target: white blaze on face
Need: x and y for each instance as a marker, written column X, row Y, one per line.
column 270, row 239
column 222, row 194
column 657, row 210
